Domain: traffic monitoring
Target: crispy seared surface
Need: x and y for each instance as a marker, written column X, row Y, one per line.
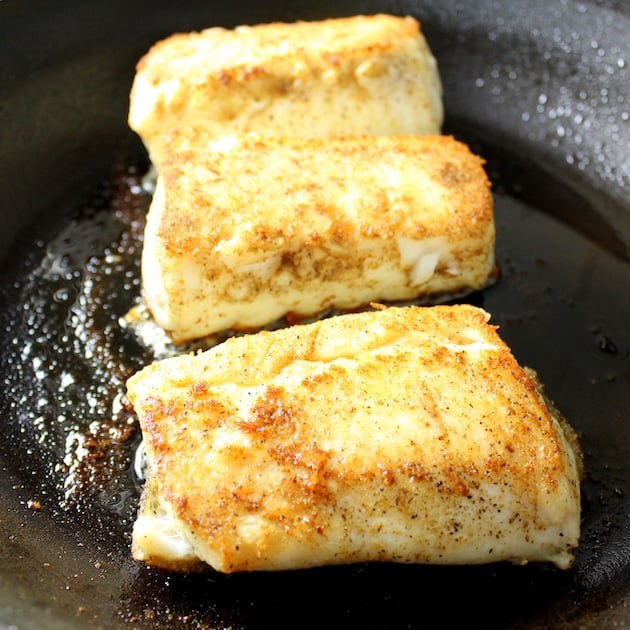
column 241, row 233
column 405, row 434
column 357, row 75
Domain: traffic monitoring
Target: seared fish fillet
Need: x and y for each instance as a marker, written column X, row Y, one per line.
column 407, row 434
column 241, row 233
column 357, row 75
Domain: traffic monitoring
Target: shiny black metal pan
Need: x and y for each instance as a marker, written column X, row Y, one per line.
column 540, row 89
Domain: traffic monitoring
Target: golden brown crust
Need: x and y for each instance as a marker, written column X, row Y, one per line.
column 305, row 225
column 311, row 172
column 327, row 42
column 407, row 435
column 361, row 74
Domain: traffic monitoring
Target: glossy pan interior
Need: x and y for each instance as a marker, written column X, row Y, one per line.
column 540, row 89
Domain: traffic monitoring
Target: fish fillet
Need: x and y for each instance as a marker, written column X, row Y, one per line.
column 243, row 232
column 408, row 435
column 357, row 75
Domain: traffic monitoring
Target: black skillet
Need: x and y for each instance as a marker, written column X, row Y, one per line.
column 540, row 89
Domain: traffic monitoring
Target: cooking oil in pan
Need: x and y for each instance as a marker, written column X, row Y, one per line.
column 66, row 358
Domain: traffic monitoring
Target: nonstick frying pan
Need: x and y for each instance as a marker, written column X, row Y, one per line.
column 540, row 89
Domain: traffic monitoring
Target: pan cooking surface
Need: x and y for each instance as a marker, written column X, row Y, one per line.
column 540, row 91
column 561, row 303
